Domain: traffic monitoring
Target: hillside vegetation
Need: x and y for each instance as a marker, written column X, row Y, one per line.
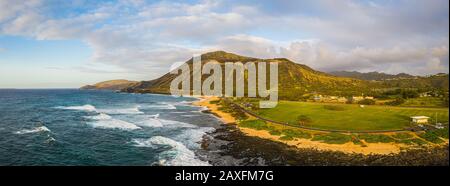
column 111, row 85
column 297, row 81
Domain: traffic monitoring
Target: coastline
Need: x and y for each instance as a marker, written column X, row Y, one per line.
column 214, row 109
column 347, row 148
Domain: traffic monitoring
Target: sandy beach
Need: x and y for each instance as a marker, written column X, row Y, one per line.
column 213, row 108
column 350, row 148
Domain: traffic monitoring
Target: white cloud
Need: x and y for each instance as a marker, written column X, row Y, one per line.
column 146, row 38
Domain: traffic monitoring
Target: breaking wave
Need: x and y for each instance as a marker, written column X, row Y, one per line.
column 150, row 122
column 113, row 124
column 34, row 130
column 87, row 107
column 193, row 137
column 178, row 155
column 91, row 108
column 101, row 116
column 103, row 120
column 134, row 110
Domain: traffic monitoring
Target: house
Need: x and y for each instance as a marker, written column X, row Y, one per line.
column 357, row 98
column 317, row 97
column 342, row 100
column 425, row 94
column 368, row 97
column 332, row 97
column 419, row 119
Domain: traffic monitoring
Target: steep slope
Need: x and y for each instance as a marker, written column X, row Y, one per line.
column 437, row 81
column 371, row 75
column 295, row 80
column 111, row 85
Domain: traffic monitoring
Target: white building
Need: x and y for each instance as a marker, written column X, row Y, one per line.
column 419, row 119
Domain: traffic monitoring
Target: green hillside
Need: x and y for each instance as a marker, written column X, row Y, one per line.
column 297, row 81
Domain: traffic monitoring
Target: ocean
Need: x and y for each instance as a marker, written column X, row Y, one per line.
column 94, row 127
column 68, row 127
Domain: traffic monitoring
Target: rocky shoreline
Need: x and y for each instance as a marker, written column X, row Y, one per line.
column 228, row 146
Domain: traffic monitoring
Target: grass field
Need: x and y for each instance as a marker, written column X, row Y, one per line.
column 350, row 116
column 287, row 133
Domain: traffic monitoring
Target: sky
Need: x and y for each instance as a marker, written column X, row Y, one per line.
column 67, row 44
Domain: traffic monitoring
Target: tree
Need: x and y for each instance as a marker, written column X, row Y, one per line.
column 397, row 101
column 303, row 119
column 367, row 102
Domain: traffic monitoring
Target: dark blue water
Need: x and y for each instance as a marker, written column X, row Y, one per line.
column 89, row 127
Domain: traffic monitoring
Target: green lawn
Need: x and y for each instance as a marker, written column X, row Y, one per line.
column 349, row 116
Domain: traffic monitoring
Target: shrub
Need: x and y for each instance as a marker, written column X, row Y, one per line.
column 419, row 141
column 275, row 132
column 431, row 137
column 402, row 136
column 286, row 138
column 443, row 133
column 214, row 102
column 397, row 101
column 296, row 133
column 356, row 140
column 367, row 102
column 376, row 138
column 332, row 138
column 303, row 119
column 254, row 124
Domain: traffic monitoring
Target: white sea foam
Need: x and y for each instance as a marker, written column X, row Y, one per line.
column 178, row 155
column 150, row 122
column 202, row 108
column 142, row 143
column 189, row 115
column 180, row 103
column 113, row 124
column 160, row 106
column 101, row 116
column 172, row 123
column 103, row 120
column 34, row 130
column 133, row 110
column 193, row 137
column 156, row 116
column 88, row 108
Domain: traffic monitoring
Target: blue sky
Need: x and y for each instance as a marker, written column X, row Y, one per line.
column 66, row 44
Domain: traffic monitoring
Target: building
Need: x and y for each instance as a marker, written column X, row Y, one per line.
column 355, row 99
column 419, row 119
column 342, row 100
column 317, row 97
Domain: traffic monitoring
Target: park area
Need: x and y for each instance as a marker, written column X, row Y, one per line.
column 350, row 117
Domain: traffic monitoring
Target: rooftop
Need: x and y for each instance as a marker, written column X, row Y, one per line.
column 420, row 117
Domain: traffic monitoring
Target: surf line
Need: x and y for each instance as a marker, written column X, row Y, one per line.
column 195, row 176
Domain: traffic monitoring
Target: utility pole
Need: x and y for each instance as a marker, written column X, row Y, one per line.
column 436, row 118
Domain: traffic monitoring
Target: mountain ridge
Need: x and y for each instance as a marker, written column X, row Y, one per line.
column 291, row 77
column 117, row 84
column 297, row 81
column 377, row 76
